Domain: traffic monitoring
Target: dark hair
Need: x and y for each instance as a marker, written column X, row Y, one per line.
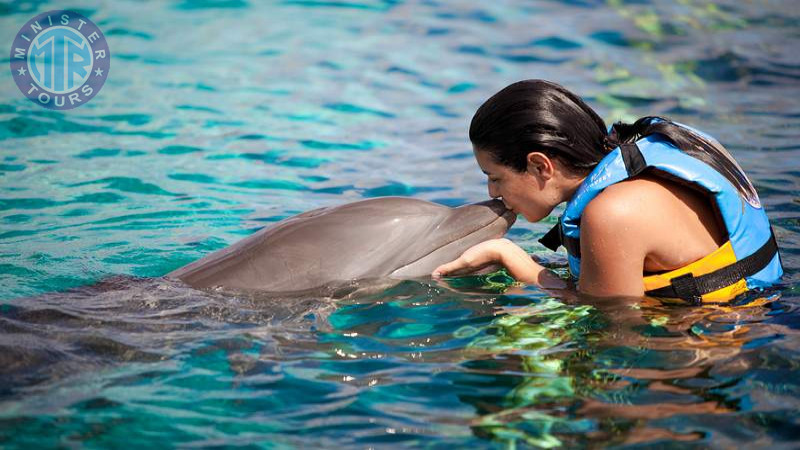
column 539, row 115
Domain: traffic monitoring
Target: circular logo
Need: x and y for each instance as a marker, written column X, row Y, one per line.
column 60, row 59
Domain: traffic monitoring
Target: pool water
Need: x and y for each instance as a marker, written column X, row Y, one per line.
column 220, row 117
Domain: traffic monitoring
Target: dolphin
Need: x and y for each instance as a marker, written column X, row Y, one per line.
column 379, row 238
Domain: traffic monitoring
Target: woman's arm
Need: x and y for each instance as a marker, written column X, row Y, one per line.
column 615, row 230
column 519, row 264
column 640, row 218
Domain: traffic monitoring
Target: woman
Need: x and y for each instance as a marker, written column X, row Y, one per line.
column 653, row 208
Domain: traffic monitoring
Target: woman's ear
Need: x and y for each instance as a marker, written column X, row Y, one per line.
column 540, row 165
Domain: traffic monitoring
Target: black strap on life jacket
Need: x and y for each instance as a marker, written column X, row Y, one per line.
column 556, row 238
column 634, row 164
column 553, row 238
column 633, row 158
column 690, row 288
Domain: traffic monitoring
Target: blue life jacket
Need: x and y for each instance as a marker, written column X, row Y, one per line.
column 749, row 259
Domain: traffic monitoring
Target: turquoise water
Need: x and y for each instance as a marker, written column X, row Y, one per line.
column 223, row 116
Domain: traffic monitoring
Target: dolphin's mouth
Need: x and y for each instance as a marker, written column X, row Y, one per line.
column 453, row 248
column 509, row 216
column 502, row 212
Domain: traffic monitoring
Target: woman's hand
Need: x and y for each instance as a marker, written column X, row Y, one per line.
column 475, row 258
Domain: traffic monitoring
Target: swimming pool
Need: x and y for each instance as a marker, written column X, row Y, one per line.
column 222, row 116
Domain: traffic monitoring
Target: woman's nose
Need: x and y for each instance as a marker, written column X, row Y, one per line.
column 493, row 192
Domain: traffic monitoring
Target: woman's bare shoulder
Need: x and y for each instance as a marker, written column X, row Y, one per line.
column 671, row 223
column 632, row 201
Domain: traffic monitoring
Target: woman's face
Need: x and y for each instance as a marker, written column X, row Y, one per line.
column 528, row 193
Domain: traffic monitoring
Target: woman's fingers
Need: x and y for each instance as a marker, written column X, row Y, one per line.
column 474, row 258
column 448, row 268
column 461, row 266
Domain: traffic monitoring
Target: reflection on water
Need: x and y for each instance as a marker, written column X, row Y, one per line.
column 220, row 117
column 642, row 373
column 416, row 363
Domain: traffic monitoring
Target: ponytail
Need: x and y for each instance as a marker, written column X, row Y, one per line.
column 700, row 147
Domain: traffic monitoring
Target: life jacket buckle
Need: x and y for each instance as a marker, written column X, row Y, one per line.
column 686, row 288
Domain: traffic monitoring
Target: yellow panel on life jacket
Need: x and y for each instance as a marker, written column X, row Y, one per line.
column 717, row 259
